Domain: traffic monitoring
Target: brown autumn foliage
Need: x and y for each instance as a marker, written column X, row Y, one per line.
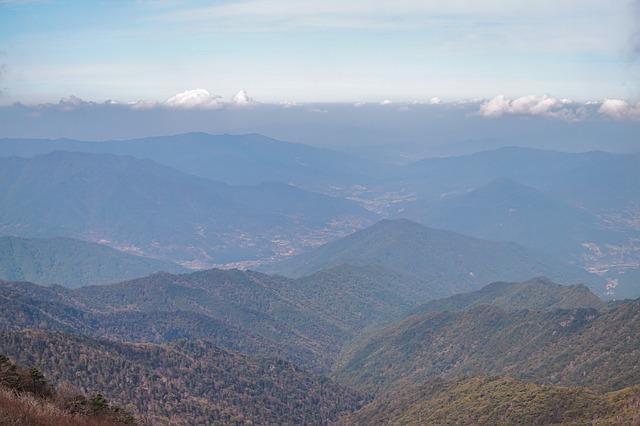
column 27, row 398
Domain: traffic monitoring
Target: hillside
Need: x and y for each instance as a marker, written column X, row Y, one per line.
column 444, row 262
column 305, row 320
column 505, row 210
column 535, row 294
column 359, row 297
column 186, row 382
column 499, row 401
column 72, row 263
column 234, row 309
column 26, row 305
column 574, row 347
column 147, row 208
column 597, row 180
column 27, row 398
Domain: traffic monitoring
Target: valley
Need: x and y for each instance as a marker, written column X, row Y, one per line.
column 185, row 293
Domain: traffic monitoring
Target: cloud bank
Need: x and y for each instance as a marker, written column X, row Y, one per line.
column 197, row 99
column 533, row 105
column 619, row 109
column 543, row 106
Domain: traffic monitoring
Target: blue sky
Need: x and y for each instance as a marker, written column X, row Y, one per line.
column 329, row 51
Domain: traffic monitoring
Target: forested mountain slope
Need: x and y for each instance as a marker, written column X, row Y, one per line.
column 536, row 294
column 500, row 401
column 184, row 383
column 72, row 263
column 578, row 347
column 28, row 399
column 305, row 320
column 444, row 262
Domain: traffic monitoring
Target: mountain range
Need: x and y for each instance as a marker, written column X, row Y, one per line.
column 248, row 159
column 431, row 315
column 540, row 332
column 599, row 181
column 306, row 321
column 557, row 345
column 443, row 261
column 578, row 207
column 506, row 210
column 150, row 209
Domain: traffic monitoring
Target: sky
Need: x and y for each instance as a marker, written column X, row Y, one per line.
column 186, row 53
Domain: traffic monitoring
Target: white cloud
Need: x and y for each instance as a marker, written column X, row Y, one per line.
column 194, row 99
column 386, row 102
column 242, row 99
column 72, row 101
column 144, row 104
column 619, row 109
column 189, row 99
column 546, row 106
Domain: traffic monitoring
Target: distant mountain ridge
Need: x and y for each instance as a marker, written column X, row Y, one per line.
column 602, row 183
column 245, row 159
column 506, row 210
column 580, row 207
column 72, row 263
column 445, row 262
column 164, row 213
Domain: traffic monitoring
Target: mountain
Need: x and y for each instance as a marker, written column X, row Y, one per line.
column 151, row 209
column 254, row 303
column 535, row 294
column 27, row 398
column 505, row 210
column 188, row 382
column 499, row 401
column 569, row 347
column 248, row 159
column 306, row 321
column 442, row 262
column 234, row 309
column 597, row 180
column 25, row 305
column 72, row 263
